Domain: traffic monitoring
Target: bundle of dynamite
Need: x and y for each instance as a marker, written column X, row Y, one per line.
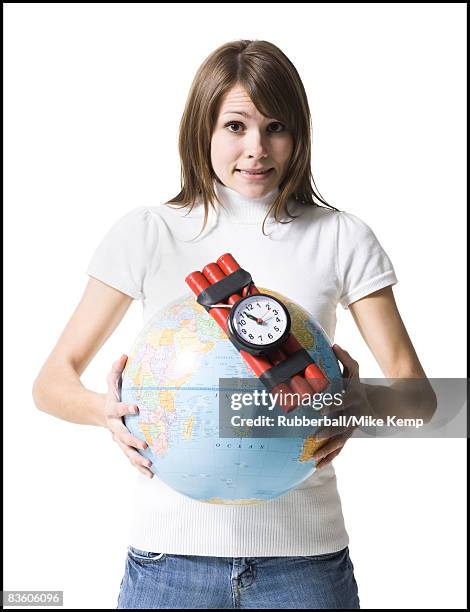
column 305, row 382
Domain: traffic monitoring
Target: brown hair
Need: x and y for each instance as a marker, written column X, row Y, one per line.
column 275, row 87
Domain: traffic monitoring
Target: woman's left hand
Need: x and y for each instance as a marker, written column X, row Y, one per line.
column 334, row 444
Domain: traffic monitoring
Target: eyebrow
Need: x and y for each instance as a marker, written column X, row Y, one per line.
column 242, row 113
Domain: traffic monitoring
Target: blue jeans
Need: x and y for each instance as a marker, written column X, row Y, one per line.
column 159, row 580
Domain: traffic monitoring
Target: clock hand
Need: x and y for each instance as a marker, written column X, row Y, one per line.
column 267, row 312
column 264, row 321
column 254, row 318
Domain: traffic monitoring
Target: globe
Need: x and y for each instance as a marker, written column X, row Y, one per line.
column 173, row 373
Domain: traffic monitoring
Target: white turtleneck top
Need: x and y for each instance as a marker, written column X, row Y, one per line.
column 321, row 259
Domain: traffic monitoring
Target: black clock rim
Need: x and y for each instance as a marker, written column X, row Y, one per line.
column 265, row 348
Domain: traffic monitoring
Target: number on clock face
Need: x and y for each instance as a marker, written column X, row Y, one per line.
column 259, row 320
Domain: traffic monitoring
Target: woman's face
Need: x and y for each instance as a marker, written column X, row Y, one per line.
column 248, row 142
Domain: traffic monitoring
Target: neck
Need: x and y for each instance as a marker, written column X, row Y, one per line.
column 238, row 208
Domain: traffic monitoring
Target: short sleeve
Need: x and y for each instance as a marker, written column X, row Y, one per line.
column 125, row 254
column 363, row 264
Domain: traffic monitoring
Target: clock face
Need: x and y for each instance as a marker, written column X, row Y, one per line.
column 260, row 320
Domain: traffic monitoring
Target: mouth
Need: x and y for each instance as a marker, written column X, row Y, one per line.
column 254, row 173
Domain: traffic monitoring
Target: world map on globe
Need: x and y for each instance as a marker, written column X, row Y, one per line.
column 172, row 375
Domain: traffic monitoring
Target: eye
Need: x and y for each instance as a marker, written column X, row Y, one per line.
column 240, row 123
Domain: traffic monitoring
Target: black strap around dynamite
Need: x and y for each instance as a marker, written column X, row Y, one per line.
column 282, row 372
column 221, row 290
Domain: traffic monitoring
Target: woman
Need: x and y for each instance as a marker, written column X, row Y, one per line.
column 246, row 112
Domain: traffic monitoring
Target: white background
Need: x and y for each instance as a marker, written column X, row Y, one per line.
column 93, row 98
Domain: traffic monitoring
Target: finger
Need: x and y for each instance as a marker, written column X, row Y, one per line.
column 146, row 472
column 134, row 456
column 328, row 459
column 120, row 409
column 328, row 447
column 123, row 435
column 141, row 463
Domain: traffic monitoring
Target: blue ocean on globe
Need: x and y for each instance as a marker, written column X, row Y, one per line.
column 173, row 374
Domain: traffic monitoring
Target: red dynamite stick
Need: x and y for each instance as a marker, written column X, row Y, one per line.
column 298, row 383
column 213, row 273
column 197, row 282
column 314, row 377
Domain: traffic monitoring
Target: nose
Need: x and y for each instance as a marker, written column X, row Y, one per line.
column 255, row 145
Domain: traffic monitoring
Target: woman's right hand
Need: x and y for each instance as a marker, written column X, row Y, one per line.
column 115, row 410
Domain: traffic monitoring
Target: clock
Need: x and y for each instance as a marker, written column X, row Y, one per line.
column 258, row 323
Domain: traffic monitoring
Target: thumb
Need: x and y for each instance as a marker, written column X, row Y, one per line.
column 340, row 353
column 118, row 365
column 351, row 366
column 115, row 372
